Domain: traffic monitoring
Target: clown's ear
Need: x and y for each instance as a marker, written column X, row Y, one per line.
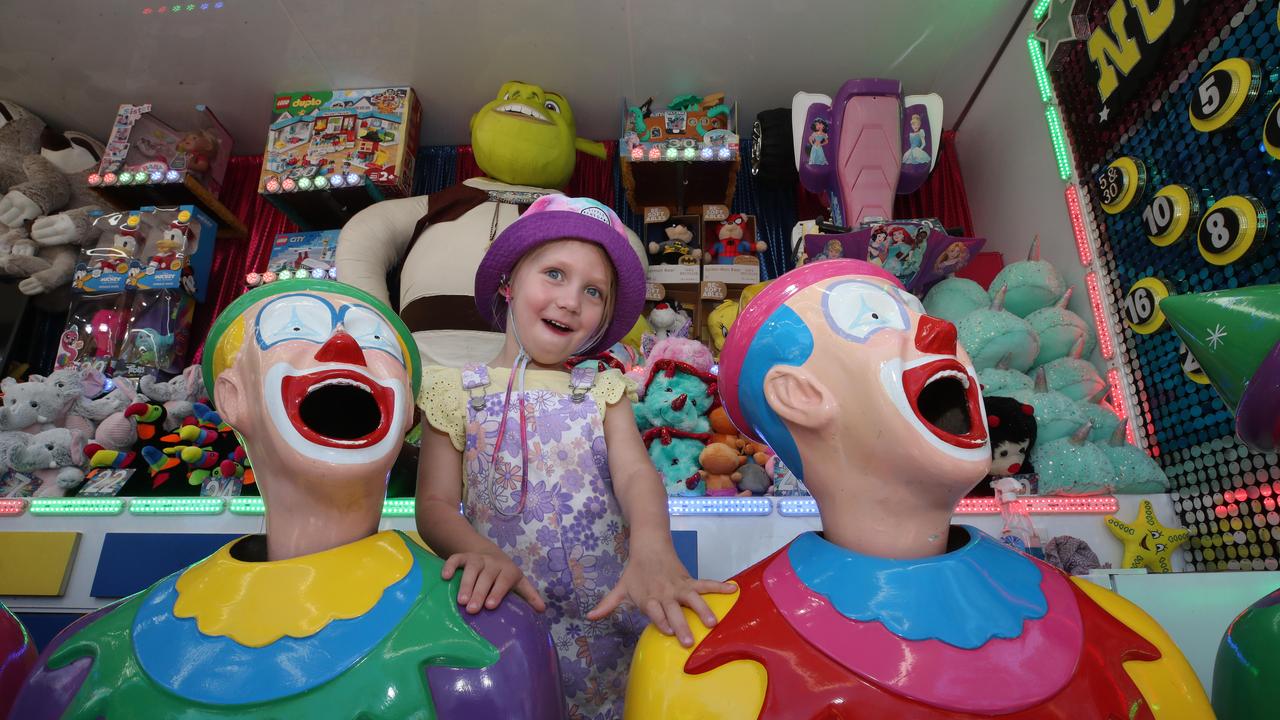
column 229, row 398
column 799, row 398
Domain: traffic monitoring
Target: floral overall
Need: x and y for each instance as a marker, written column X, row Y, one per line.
column 567, row 533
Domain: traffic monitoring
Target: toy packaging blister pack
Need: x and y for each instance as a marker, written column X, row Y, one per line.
column 731, row 250
column 150, row 150
column 156, row 338
column 104, row 266
column 177, row 250
column 94, row 332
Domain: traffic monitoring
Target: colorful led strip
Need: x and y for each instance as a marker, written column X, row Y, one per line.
column 1037, row 66
column 1099, row 316
column 1042, row 7
column 1078, row 227
column 1036, row 504
column 246, row 506
column 76, row 506
column 719, row 506
column 177, row 506
column 12, row 506
column 1059, row 138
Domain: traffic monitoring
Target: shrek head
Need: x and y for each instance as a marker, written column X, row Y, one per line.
column 526, row 136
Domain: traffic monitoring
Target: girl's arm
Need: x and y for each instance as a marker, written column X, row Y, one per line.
column 488, row 574
column 654, row 579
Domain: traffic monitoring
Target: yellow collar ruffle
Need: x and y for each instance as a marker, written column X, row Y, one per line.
column 257, row 603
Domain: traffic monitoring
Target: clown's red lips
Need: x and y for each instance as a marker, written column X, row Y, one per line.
column 945, row 397
column 338, row 407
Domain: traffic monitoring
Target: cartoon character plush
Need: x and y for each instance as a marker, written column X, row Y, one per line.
column 525, row 141
column 719, row 320
column 669, row 319
column 731, row 241
column 677, row 396
column 992, row 334
column 675, row 454
column 1029, row 285
column 171, row 244
column 877, row 407
column 678, row 248
column 1012, row 425
column 720, row 465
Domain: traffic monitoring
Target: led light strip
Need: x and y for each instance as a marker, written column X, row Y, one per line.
column 1037, row 505
column 399, row 507
column 246, row 506
column 12, row 506
column 1084, row 246
column 76, row 506
column 177, row 506
column 719, row 506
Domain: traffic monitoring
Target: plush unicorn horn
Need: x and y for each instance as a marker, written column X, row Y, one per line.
column 1079, row 437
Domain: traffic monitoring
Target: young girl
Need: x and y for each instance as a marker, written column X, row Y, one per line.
column 558, row 484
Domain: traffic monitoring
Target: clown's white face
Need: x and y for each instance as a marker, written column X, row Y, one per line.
column 322, row 380
column 908, row 395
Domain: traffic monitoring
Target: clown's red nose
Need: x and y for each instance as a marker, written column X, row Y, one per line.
column 342, row 348
column 935, row 337
column 678, row 403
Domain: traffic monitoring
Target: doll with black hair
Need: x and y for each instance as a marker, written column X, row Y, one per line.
column 1012, row 427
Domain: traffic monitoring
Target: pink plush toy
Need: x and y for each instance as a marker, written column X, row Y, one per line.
column 683, row 350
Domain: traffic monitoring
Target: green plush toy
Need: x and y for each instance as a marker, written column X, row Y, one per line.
column 954, row 298
column 527, row 136
column 1072, row 466
column 1074, row 377
column 678, row 396
column 1032, row 284
column 991, row 334
column 1136, row 472
column 1060, row 330
column 1057, row 416
column 676, row 458
column 1103, row 420
column 1000, row 381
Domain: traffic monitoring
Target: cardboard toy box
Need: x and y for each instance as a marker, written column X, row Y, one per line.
column 353, row 135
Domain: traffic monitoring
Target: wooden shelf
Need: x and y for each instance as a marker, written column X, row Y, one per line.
column 187, row 192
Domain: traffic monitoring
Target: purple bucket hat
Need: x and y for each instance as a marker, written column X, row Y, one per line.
column 559, row 217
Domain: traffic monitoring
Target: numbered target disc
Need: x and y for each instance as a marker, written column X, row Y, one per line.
column 1230, row 228
column 1223, row 93
column 1191, row 366
column 1120, row 184
column 1141, row 309
column 1271, row 131
column 1171, row 211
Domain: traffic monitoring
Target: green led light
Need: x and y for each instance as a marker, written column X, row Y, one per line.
column 1042, row 7
column 177, row 506
column 398, row 507
column 125, row 178
column 1059, row 138
column 76, row 506
column 304, row 183
column 322, row 182
column 247, row 506
column 1037, row 67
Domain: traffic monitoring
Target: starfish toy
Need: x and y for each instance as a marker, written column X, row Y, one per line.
column 1147, row 543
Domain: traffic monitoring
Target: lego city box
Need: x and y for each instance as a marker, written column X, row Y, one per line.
column 347, row 137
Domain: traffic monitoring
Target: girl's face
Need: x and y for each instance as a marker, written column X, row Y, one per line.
column 559, row 294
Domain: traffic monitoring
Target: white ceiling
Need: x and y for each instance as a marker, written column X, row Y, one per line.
column 74, row 61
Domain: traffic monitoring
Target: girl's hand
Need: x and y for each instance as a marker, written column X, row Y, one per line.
column 658, row 584
column 487, row 577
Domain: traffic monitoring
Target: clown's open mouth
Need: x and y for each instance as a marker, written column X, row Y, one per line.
column 338, row 407
column 946, row 399
column 527, row 112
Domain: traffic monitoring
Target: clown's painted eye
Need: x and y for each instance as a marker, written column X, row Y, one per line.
column 911, row 301
column 294, row 317
column 371, row 330
column 857, row 309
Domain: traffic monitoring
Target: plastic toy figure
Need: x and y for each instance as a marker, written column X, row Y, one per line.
column 817, row 141
column 319, row 380
column 171, row 245
column 732, row 241
column 892, row 612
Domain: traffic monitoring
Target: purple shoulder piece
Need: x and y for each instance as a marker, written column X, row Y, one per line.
column 47, row 693
column 523, row 685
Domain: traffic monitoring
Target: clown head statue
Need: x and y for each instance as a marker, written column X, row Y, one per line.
column 527, row 136
column 319, row 380
column 865, row 397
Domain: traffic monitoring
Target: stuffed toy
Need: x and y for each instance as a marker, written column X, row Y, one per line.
column 54, row 457
column 1059, row 331
column 1000, row 381
column 722, row 429
column 1029, row 285
column 1103, row 419
column 990, row 334
column 675, row 454
column 755, row 480
column 1073, row 466
column 30, row 185
column 678, row 396
column 60, row 236
column 719, row 471
column 1057, row 416
column 1074, row 377
column 34, row 405
column 1136, row 472
column 668, row 319
column 730, row 242
column 1012, row 428
column 954, row 298
column 678, row 247
column 751, row 291
column 178, row 395
column 199, row 148
column 684, row 350
column 719, row 320
column 525, row 140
